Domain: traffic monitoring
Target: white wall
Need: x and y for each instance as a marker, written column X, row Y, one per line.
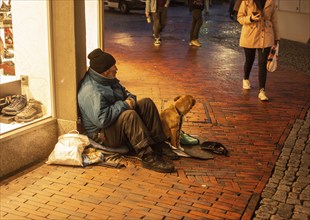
column 294, row 19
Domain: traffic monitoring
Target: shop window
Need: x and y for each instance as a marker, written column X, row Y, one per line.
column 25, row 75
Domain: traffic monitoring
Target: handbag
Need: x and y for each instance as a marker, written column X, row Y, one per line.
column 272, row 61
column 69, row 148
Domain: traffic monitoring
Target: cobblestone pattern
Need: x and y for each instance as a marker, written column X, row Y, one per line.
column 287, row 193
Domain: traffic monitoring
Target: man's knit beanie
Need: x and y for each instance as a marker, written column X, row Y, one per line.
column 100, row 61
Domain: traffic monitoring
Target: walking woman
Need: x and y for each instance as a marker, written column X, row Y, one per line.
column 259, row 33
column 196, row 7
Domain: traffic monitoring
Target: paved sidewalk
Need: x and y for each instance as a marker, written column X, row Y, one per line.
column 268, row 142
column 287, row 193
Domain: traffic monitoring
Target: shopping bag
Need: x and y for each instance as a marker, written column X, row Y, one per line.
column 68, row 150
column 272, row 62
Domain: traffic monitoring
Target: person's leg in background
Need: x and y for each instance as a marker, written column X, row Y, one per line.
column 195, row 28
column 198, row 18
column 162, row 19
column 207, row 5
column 193, row 25
column 156, row 26
column 231, row 8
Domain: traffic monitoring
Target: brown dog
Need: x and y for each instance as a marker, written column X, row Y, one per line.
column 171, row 117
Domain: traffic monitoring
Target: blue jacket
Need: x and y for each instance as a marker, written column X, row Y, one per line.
column 101, row 101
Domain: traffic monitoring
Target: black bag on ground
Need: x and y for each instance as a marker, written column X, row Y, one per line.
column 214, row 147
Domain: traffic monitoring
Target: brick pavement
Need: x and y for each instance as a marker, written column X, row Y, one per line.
column 221, row 188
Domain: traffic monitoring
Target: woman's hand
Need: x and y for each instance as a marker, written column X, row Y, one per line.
column 255, row 16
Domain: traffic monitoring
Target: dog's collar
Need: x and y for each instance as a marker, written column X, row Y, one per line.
column 181, row 119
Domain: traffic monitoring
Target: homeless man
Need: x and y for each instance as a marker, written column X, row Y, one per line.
column 113, row 116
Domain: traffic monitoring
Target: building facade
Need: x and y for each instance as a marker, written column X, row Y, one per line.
column 43, row 57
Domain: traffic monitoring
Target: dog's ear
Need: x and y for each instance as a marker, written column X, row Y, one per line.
column 193, row 102
column 176, row 98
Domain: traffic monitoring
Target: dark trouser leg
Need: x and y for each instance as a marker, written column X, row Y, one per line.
column 196, row 23
column 249, row 60
column 162, row 18
column 150, row 116
column 231, row 6
column 262, row 66
column 156, row 24
column 140, row 128
column 128, row 130
column 192, row 36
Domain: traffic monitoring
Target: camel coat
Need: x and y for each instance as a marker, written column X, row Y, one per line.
column 262, row 33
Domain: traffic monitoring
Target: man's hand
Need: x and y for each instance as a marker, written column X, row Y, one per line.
column 255, row 16
column 130, row 102
column 147, row 14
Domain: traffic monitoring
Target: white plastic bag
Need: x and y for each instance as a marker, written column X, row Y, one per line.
column 272, row 61
column 69, row 149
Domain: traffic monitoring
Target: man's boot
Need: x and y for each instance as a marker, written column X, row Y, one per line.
column 167, row 151
column 155, row 162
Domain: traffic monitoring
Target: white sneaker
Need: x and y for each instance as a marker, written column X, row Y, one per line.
column 246, row 84
column 156, row 41
column 262, row 95
column 195, row 43
column 158, row 37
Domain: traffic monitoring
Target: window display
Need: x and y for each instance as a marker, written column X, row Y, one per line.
column 25, row 88
column 6, row 40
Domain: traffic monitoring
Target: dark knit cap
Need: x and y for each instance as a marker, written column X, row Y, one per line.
column 100, row 61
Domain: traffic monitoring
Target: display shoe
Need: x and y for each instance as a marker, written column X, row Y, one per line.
column 5, row 7
column 8, row 67
column 187, row 139
column 1, row 17
column 8, row 38
column 1, row 48
column 246, row 84
column 32, row 111
column 4, row 102
column 8, row 54
column 262, row 95
column 154, row 162
column 7, row 20
column 16, row 106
